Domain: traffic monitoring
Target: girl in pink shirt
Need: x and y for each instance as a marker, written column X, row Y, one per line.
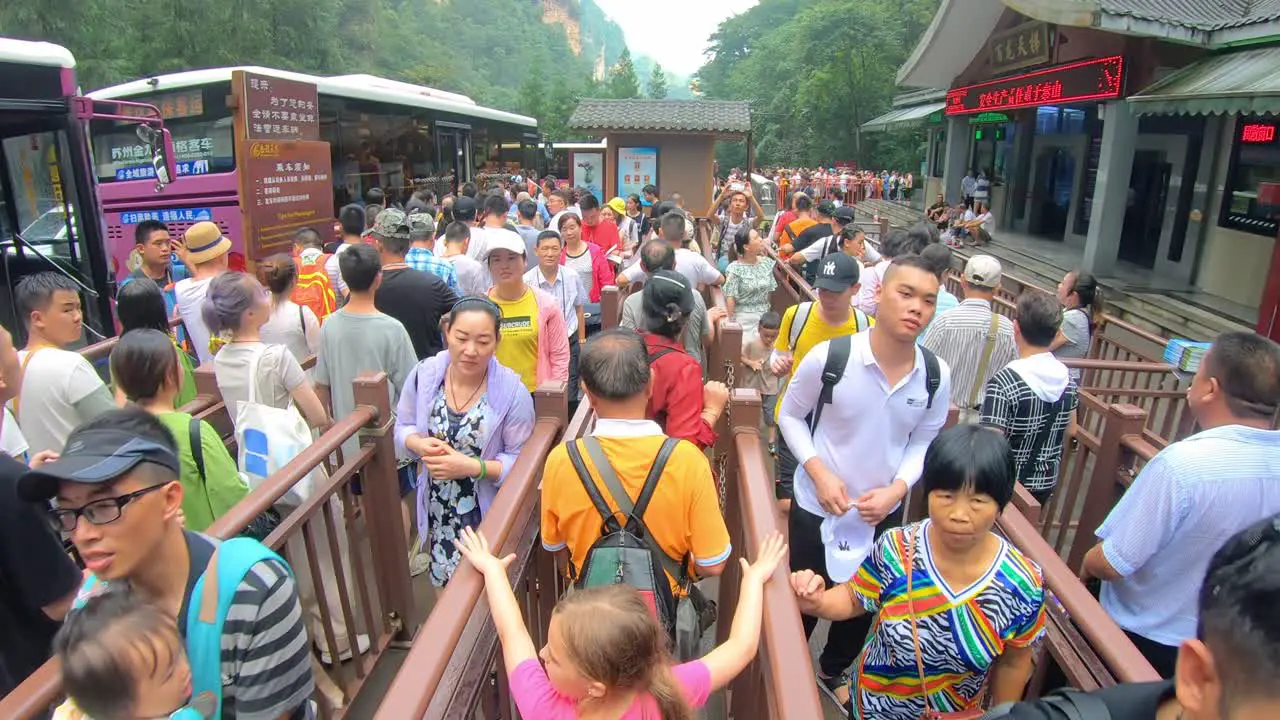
column 606, row 656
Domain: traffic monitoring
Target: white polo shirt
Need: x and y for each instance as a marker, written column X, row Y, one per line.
column 688, row 263
column 869, row 435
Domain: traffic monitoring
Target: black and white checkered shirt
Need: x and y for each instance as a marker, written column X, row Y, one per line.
column 1034, row 427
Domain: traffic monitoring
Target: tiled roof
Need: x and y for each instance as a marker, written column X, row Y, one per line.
column 1198, row 14
column 702, row 116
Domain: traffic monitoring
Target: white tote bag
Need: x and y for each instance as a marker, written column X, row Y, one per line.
column 268, row 438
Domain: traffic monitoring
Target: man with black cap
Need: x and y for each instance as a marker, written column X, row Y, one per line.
column 825, row 226
column 116, row 493
column 858, row 415
column 805, row 326
column 808, row 250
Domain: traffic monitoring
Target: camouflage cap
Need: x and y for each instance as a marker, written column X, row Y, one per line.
column 391, row 223
column 421, row 225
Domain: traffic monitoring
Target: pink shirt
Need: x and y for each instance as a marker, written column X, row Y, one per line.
column 537, row 700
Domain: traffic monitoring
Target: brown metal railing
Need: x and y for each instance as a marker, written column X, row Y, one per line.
column 311, row 537
column 452, row 669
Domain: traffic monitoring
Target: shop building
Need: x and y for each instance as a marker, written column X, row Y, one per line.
column 1139, row 133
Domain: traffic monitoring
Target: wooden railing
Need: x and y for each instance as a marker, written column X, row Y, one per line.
column 371, row 593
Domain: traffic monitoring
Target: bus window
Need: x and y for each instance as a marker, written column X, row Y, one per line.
column 198, row 119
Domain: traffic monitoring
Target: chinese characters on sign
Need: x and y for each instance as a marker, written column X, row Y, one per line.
column 1099, row 79
column 174, row 215
column 277, row 109
column 637, row 167
column 1258, row 133
column 284, row 186
column 188, row 103
column 1019, row 47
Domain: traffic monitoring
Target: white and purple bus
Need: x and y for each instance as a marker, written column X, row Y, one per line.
column 382, row 133
column 50, row 219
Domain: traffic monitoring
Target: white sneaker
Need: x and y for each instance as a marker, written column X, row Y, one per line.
column 419, row 564
column 362, row 642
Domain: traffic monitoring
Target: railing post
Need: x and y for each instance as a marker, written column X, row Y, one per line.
column 743, row 415
column 884, row 230
column 381, row 502
column 206, row 380
column 610, row 307
column 1120, row 420
column 551, row 399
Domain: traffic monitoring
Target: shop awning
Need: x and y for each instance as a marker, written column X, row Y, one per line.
column 1244, row 82
column 902, row 117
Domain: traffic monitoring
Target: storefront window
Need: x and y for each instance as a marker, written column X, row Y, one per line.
column 1255, row 161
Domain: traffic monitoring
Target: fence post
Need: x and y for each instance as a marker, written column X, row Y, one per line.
column 206, row 380
column 610, row 307
column 381, row 503
column 1121, row 419
column 884, row 230
column 551, row 399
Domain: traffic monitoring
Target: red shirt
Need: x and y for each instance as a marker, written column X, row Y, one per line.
column 676, row 401
column 604, row 234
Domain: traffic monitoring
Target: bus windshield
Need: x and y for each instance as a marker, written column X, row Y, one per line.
column 201, row 125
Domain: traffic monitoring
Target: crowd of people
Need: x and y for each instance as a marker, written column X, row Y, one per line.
column 468, row 306
column 844, row 184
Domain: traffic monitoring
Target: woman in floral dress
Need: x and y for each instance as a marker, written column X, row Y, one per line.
column 749, row 281
column 467, row 417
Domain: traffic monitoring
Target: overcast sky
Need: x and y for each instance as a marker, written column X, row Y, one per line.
column 672, row 32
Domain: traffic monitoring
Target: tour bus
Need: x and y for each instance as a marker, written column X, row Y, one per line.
column 381, row 133
column 49, row 214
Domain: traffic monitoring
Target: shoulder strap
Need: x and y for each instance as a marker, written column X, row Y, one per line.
column 607, row 515
column 302, row 321
column 992, row 333
column 838, row 350
column 635, row 513
column 17, row 399
column 197, row 447
column 231, row 561
column 253, row 372
column 798, row 321
column 932, row 374
column 655, row 356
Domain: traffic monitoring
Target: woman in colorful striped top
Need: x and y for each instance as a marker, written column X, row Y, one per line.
column 963, row 620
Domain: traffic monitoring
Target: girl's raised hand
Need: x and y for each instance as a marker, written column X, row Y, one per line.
column 475, row 548
column 771, row 553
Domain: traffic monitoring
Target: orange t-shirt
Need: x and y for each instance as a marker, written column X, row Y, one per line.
column 683, row 515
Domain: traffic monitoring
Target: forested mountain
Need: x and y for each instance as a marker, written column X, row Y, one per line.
column 482, row 48
column 814, row 71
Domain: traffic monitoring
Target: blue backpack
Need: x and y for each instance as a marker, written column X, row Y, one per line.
column 206, row 613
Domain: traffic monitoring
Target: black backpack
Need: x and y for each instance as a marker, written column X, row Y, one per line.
column 626, row 554
column 1121, row 702
column 838, row 358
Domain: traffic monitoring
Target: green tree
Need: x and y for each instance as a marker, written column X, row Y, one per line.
column 657, row 83
column 623, row 83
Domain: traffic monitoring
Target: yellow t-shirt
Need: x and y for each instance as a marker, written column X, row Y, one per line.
column 814, row 331
column 683, row 515
column 518, row 345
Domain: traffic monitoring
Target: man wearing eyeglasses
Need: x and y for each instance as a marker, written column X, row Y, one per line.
column 1193, row 495
column 38, row 580
column 115, row 491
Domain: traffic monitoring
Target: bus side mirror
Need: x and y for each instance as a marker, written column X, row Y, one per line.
column 160, row 142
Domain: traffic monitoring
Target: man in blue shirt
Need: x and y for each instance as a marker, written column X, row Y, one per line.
column 156, row 260
column 1193, row 495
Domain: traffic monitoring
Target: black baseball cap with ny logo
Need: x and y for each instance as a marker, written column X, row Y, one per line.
column 837, row 272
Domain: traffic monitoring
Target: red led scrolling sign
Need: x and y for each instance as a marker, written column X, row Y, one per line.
column 1097, row 79
column 1258, row 133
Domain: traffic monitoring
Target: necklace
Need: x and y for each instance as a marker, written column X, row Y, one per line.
column 451, row 388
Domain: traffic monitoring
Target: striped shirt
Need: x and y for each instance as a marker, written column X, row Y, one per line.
column 420, row 258
column 1034, row 427
column 566, row 289
column 1181, row 508
column 963, row 631
column 266, row 657
column 960, row 336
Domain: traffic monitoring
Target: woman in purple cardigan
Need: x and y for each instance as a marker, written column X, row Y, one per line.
column 467, row 417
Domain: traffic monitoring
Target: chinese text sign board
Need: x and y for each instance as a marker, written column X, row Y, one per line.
column 1087, row 80
column 1019, row 47
column 275, row 109
column 284, row 186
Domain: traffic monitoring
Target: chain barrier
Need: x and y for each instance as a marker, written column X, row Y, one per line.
column 722, row 458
